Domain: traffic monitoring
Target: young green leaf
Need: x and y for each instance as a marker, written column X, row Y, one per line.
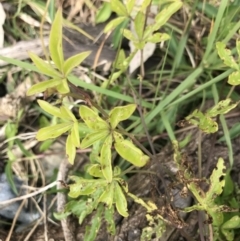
column 222, row 107
column 91, row 118
column 83, row 186
column 42, row 86
column 118, row 7
column 139, row 24
column 44, row 67
column 158, row 37
column 238, row 48
column 63, row 87
column 130, row 5
column 120, row 113
column 95, row 170
column 55, row 41
column 232, row 223
column 120, row 200
column 129, row 35
column 50, row 108
column 144, row 5
column 127, row 150
column 226, row 55
column 74, row 61
column 53, row 131
column 234, row 78
column 67, row 114
column 113, row 24
column 109, row 217
column 106, row 158
column 107, row 195
column 104, row 13
column 94, row 137
column 216, row 186
column 166, row 13
column 70, row 149
column 75, row 135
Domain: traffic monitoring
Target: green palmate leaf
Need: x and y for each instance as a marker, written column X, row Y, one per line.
column 107, row 195
column 75, row 135
column 216, row 215
column 234, row 78
column 53, row 131
column 115, row 76
column 118, row 7
column 70, row 149
column 91, row 118
column 74, row 61
column 106, row 159
column 204, row 122
column 127, row 150
column 82, row 187
column 226, row 55
column 216, row 186
column 63, row 87
column 120, row 59
column 222, row 107
column 232, row 223
column 158, row 37
column 144, row 5
column 121, row 113
column 50, row 108
column 129, row 35
column 238, row 48
column 42, row 86
column 166, row 13
column 120, row 200
column 55, row 41
column 139, row 24
column 44, row 67
column 109, row 217
column 91, row 231
column 229, row 234
column 113, row 24
column 130, row 5
column 95, row 170
column 104, row 13
column 94, row 137
column 67, row 114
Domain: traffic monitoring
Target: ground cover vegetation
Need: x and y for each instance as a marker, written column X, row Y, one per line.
column 120, row 122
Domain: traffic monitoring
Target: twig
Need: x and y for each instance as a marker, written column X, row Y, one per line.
column 15, row 220
column 61, row 200
column 32, row 194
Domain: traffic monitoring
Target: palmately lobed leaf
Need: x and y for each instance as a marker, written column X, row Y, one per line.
column 91, row 138
column 121, row 113
column 74, row 61
column 53, row 131
column 95, row 170
column 70, row 149
column 55, row 41
column 63, row 87
column 75, row 135
column 43, row 86
column 91, row 118
column 107, row 195
column 45, row 68
column 120, row 200
column 128, row 151
column 67, row 114
column 216, row 181
column 106, row 158
column 52, row 110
